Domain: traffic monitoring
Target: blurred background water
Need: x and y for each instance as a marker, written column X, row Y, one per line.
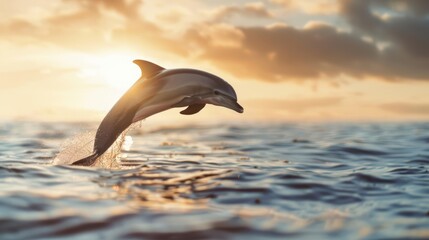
column 221, row 181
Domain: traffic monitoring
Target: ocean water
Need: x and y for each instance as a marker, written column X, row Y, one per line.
column 224, row 181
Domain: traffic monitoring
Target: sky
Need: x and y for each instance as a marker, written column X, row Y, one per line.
column 288, row 60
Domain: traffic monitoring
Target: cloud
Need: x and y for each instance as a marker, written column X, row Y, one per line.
column 93, row 26
column 126, row 8
column 408, row 32
column 282, row 53
column 419, row 7
column 311, row 7
column 390, row 48
column 407, row 108
column 378, row 45
column 256, row 9
column 68, row 29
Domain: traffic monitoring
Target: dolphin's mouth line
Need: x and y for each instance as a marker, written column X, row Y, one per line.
column 226, row 96
column 233, row 105
column 236, row 106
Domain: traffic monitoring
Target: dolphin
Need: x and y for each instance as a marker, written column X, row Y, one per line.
column 159, row 89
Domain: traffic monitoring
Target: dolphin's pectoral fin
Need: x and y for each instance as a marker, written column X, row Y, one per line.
column 192, row 109
column 148, row 69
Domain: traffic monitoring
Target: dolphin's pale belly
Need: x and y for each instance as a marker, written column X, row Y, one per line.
column 149, row 110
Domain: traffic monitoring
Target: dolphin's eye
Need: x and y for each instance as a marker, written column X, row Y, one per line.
column 216, row 92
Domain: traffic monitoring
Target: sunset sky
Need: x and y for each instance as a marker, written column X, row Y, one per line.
column 289, row 60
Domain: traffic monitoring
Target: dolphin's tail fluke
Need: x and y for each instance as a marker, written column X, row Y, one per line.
column 88, row 161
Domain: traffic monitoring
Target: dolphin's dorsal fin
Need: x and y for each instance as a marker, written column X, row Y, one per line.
column 148, row 69
column 192, row 109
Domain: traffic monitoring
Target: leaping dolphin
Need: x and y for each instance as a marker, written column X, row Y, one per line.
column 157, row 90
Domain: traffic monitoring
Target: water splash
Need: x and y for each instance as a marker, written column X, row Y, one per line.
column 81, row 146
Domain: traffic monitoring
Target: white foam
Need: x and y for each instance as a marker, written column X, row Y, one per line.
column 81, row 146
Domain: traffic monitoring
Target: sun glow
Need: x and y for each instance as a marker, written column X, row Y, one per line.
column 114, row 70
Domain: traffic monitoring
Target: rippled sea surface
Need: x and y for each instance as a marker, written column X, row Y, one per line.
column 237, row 181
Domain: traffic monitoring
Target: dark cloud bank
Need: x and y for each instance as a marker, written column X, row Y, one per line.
column 390, row 48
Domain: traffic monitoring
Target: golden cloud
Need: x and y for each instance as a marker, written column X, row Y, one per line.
column 311, row 7
column 273, row 53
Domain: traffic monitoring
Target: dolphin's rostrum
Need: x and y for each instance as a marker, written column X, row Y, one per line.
column 157, row 90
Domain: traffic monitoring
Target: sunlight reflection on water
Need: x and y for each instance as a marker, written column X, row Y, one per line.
column 221, row 182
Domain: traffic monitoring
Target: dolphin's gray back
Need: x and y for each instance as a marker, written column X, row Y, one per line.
column 192, row 78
